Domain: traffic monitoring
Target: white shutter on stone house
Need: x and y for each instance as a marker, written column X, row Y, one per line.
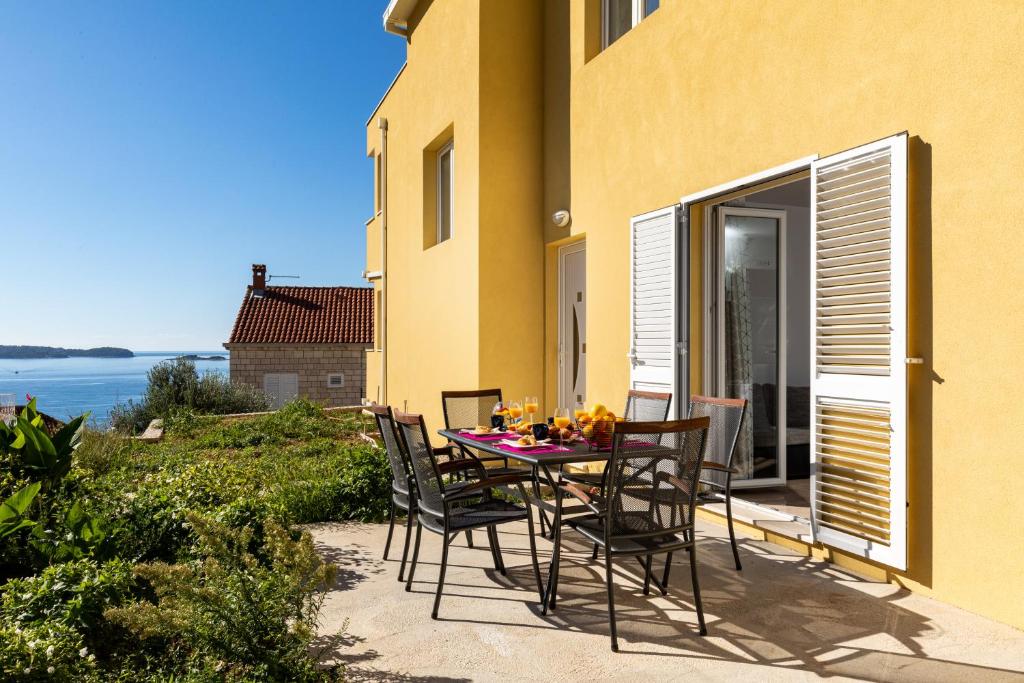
column 654, row 297
column 859, row 349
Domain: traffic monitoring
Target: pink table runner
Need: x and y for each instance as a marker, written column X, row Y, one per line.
column 540, row 450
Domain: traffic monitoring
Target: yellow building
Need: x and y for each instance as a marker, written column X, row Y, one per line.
column 576, row 197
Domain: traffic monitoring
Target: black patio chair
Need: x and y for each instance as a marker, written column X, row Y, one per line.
column 403, row 489
column 641, row 406
column 647, row 507
column 447, row 512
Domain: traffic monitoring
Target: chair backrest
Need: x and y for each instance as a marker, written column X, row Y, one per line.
column 429, row 486
column 392, row 446
column 726, row 420
column 468, row 408
column 652, row 477
column 646, row 406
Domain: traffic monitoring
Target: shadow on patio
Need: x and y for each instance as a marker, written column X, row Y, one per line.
column 783, row 614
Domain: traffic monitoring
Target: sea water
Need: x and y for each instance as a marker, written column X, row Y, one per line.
column 68, row 387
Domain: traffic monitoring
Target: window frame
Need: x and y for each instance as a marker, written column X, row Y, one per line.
column 449, row 149
column 639, row 13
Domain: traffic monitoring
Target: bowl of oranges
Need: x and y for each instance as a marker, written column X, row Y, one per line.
column 597, row 426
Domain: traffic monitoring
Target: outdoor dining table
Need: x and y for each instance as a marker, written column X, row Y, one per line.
column 545, row 461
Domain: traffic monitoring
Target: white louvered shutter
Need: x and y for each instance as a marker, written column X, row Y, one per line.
column 859, row 348
column 654, row 258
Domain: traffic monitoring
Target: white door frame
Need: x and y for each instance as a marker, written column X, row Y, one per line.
column 780, row 351
column 563, row 368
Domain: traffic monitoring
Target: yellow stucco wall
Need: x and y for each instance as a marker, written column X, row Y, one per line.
column 700, row 93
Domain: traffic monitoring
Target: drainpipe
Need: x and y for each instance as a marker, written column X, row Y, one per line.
column 382, row 123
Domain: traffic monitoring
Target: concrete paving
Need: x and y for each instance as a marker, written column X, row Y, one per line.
column 784, row 617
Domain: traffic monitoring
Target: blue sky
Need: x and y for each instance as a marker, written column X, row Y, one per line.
column 151, row 151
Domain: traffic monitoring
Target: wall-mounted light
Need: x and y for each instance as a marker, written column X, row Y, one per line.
column 560, row 218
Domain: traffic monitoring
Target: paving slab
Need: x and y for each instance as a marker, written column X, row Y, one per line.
column 785, row 617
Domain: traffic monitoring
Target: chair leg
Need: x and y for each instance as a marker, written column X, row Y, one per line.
column 647, row 575
column 415, row 556
column 696, row 590
column 440, row 578
column 611, row 598
column 540, row 511
column 490, row 544
column 732, row 533
column 533, row 556
column 469, row 538
column 664, row 577
column 497, row 551
column 391, row 529
column 593, row 555
column 405, row 550
column 556, row 564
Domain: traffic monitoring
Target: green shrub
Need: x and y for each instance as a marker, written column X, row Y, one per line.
column 176, row 385
column 255, row 613
column 72, row 594
column 42, row 651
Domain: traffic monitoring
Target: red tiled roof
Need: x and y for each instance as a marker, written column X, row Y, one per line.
column 305, row 315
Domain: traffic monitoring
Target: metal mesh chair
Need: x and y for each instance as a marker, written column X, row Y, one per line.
column 647, row 506
column 467, row 409
column 726, row 416
column 641, row 406
column 403, row 489
column 448, row 511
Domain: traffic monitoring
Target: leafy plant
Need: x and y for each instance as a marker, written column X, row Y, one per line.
column 13, row 509
column 256, row 610
column 38, row 456
column 175, row 386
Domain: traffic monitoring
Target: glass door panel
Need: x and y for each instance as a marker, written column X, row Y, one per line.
column 749, row 321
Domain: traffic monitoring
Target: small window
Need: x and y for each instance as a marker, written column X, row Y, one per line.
column 445, row 190
column 621, row 15
column 336, row 380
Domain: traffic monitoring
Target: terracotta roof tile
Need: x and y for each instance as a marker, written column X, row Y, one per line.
column 305, row 315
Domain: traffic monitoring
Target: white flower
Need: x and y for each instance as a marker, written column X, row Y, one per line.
column 32, row 644
column 83, row 652
column 92, row 658
column 49, row 651
column 28, row 669
column 50, row 669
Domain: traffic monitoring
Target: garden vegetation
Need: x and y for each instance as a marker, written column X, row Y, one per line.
column 180, row 560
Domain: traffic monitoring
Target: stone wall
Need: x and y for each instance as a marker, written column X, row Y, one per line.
column 312, row 362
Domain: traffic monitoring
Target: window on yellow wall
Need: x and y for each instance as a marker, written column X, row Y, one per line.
column 619, row 16
column 445, row 191
column 378, row 203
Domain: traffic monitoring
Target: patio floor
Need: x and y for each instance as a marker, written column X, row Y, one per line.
column 784, row 617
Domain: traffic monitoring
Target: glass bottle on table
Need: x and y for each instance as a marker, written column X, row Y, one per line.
column 498, row 416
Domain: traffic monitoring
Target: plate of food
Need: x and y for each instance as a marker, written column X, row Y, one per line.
column 479, row 430
column 525, row 442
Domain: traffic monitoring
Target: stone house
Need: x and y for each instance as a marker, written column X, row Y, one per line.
column 302, row 341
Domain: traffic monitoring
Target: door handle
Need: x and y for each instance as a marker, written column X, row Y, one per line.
column 915, row 360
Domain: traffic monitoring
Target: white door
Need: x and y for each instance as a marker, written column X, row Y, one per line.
column 280, row 387
column 657, row 311
column 572, row 324
column 858, row 350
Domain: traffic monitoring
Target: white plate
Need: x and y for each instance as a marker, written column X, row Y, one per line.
column 515, row 444
column 473, row 432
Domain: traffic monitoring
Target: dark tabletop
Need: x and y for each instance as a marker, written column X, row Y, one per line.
column 580, row 451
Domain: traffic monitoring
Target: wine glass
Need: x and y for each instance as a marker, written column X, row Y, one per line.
column 578, row 411
column 515, row 410
column 562, row 421
column 7, row 408
column 532, row 405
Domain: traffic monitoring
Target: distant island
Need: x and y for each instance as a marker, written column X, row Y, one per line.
column 59, row 352
column 192, row 356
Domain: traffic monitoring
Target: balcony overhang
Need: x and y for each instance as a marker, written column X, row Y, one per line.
column 396, row 16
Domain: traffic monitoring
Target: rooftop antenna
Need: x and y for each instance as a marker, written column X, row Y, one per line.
column 294, row 277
